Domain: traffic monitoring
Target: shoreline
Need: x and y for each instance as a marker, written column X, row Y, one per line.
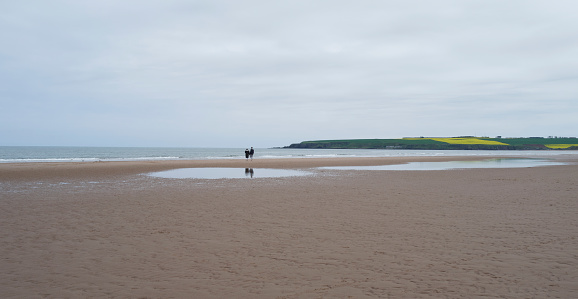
column 40, row 170
column 96, row 154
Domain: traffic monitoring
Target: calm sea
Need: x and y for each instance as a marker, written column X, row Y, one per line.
column 22, row 154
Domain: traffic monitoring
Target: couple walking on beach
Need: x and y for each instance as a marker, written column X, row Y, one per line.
column 249, row 153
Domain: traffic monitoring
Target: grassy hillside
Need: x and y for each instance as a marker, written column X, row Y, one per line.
column 471, row 143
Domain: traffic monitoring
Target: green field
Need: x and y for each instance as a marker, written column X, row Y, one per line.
column 446, row 143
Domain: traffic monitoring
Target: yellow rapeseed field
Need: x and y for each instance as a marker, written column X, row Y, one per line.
column 467, row 140
column 560, row 145
column 461, row 140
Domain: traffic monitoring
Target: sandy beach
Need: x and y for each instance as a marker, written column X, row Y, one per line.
column 109, row 230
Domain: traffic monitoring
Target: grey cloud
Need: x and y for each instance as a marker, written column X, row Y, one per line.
column 302, row 69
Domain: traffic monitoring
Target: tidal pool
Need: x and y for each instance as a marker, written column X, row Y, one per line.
column 489, row 163
column 227, row 173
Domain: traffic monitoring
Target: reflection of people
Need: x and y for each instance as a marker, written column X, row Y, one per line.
column 251, row 153
column 247, row 154
column 249, row 172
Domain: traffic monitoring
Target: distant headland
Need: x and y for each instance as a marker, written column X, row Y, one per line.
column 447, row 143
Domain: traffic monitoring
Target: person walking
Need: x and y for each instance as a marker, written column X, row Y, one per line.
column 247, row 154
column 251, row 153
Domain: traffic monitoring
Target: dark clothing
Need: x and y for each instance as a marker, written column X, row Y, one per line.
column 246, row 154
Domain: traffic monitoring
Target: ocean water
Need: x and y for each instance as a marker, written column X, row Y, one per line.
column 23, row 154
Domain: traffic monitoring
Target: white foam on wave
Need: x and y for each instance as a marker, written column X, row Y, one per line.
column 48, row 160
column 86, row 159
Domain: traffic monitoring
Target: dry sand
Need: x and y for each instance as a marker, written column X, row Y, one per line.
column 106, row 230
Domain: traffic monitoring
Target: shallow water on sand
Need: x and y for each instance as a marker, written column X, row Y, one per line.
column 227, row 173
column 489, row 163
column 238, row 173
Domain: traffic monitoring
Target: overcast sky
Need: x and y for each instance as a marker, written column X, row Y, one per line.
column 213, row 73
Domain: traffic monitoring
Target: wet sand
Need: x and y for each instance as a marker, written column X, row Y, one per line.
column 107, row 230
